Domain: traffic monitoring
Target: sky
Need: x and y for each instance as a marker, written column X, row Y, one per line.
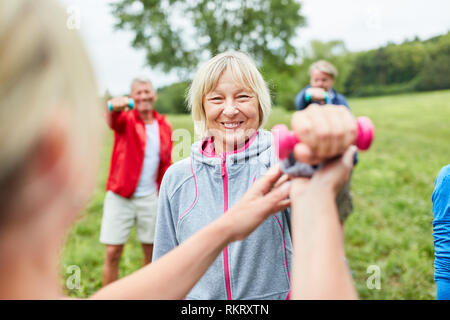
column 361, row 24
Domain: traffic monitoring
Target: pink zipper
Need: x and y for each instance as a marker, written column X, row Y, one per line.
column 225, row 209
column 206, row 148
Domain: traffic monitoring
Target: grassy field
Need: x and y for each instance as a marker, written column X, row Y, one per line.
column 390, row 227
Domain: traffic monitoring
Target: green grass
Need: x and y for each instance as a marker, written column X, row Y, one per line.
column 392, row 185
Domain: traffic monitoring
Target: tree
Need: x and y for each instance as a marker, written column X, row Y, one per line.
column 177, row 35
column 171, row 99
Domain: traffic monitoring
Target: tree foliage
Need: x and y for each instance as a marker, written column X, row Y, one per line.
column 177, row 35
column 171, row 98
column 285, row 84
column 410, row 66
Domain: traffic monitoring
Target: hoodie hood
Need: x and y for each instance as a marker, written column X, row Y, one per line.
column 257, row 148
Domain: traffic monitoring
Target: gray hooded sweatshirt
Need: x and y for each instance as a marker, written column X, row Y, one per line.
column 199, row 189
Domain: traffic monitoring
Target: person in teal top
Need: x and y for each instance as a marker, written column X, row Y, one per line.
column 441, row 233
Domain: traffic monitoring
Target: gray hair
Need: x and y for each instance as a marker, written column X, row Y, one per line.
column 325, row 67
column 140, row 79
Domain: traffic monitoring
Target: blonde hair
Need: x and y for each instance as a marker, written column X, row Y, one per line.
column 44, row 72
column 325, row 67
column 243, row 70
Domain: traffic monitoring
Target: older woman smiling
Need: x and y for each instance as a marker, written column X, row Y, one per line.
column 230, row 104
column 232, row 113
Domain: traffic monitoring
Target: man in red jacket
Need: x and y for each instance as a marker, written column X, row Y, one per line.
column 141, row 155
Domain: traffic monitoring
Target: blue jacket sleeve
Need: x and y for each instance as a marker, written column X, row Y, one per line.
column 165, row 233
column 441, row 232
column 441, row 195
column 300, row 102
column 443, row 290
column 341, row 100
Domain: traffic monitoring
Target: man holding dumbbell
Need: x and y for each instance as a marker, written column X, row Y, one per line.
column 141, row 155
column 320, row 90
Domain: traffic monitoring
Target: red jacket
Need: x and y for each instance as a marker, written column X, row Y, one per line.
column 129, row 148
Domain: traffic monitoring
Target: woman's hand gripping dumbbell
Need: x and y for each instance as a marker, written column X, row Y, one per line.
column 120, row 104
column 285, row 141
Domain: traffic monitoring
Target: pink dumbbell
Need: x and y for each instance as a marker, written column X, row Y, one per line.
column 285, row 140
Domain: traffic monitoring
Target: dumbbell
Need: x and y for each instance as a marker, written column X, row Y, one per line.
column 130, row 104
column 285, row 140
column 308, row 98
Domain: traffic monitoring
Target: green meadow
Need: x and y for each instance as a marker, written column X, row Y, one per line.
column 389, row 234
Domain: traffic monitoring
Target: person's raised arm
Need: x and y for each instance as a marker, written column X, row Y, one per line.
column 319, row 267
column 173, row 275
column 113, row 115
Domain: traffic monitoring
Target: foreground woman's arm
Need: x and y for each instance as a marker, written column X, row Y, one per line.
column 174, row 275
column 319, row 267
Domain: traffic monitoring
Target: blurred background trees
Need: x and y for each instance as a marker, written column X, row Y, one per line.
column 260, row 27
column 177, row 35
column 265, row 29
column 411, row 66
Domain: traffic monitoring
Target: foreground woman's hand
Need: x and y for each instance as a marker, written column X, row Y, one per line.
column 266, row 196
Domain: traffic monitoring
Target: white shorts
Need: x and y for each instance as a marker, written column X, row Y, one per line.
column 120, row 214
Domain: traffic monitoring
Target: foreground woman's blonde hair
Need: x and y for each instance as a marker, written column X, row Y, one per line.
column 45, row 76
column 244, row 71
